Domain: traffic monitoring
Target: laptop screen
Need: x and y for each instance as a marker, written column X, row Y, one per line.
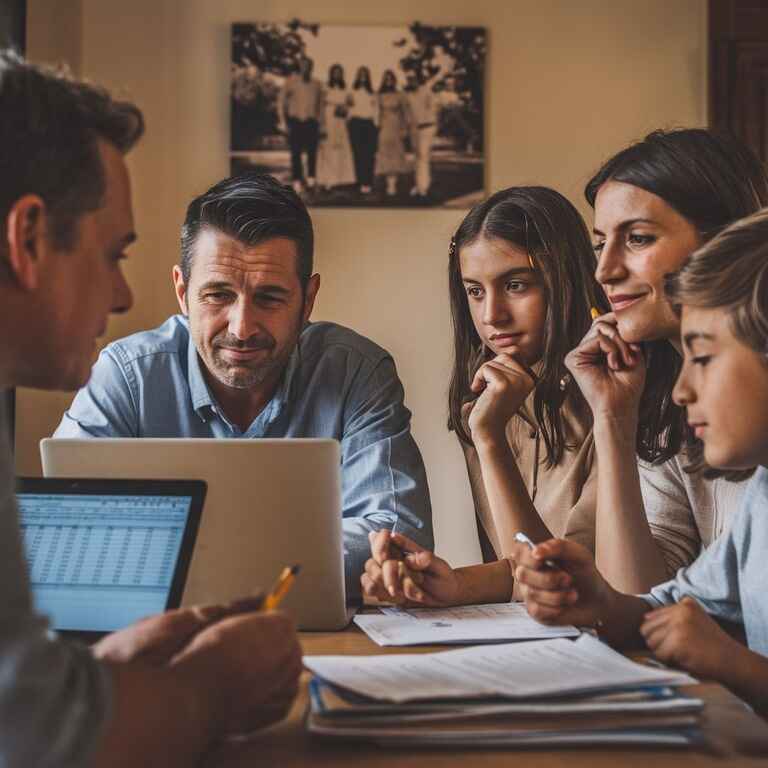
column 99, row 561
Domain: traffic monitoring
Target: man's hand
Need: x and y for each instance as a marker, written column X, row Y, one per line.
column 157, row 639
column 572, row 593
column 400, row 571
column 687, row 636
column 252, row 663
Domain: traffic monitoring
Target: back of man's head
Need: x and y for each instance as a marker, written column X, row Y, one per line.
column 50, row 126
column 251, row 208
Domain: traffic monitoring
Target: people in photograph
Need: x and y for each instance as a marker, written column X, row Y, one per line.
column 723, row 387
column 522, row 288
column 424, row 106
column 363, row 128
column 301, row 112
column 65, row 223
column 335, row 166
column 242, row 360
column 451, row 115
column 394, row 124
column 655, row 202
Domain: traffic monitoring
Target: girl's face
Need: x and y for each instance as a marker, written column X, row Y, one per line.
column 640, row 239
column 505, row 296
column 724, row 387
column 337, row 74
column 389, row 80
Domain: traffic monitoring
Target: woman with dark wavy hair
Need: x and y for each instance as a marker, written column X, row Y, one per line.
column 522, row 290
column 655, row 202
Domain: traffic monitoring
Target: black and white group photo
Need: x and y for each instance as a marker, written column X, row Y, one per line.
column 361, row 116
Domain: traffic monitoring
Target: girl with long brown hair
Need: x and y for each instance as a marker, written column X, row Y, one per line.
column 522, row 290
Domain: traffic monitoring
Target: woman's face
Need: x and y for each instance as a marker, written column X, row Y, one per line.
column 639, row 240
column 337, row 74
column 363, row 76
column 505, row 296
column 389, row 80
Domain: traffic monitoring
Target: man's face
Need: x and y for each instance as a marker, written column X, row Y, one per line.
column 81, row 286
column 245, row 306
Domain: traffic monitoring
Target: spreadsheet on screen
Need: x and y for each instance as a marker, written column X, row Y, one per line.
column 99, row 562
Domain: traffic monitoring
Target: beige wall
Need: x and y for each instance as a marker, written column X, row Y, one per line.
column 568, row 83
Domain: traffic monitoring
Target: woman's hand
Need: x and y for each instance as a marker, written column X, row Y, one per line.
column 400, row 571
column 609, row 371
column 503, row 384
column 572, row 593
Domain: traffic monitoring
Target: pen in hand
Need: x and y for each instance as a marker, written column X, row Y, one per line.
column 523, row 539
column 257, row 602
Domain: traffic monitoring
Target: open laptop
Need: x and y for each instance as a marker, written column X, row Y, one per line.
column 270, row 503
column 104, row 553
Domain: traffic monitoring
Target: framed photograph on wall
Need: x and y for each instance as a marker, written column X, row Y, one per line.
column 361, row 116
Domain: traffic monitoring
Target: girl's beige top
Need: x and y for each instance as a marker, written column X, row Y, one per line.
column 565, row 495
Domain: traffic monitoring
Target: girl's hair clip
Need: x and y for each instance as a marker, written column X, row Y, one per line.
column 452, row 247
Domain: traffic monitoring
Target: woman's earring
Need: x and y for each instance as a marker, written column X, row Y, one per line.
column 565, row 381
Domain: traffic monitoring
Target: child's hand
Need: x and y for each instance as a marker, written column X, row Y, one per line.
column 684, row 634
column 502, row 385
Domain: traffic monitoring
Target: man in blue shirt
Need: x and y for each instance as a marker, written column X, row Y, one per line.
column 243, row 360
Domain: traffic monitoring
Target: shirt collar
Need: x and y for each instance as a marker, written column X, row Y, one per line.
column 198, row 389
column 283, row 394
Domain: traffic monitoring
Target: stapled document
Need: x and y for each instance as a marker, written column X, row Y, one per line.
column 470, row 624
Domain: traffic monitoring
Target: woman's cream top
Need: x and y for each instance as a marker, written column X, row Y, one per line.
column 686, row 512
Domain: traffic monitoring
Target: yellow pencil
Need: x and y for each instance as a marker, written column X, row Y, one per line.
column 280, row 588
column 594, row 313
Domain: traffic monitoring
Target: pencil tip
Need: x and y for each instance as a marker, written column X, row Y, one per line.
column 295, row 569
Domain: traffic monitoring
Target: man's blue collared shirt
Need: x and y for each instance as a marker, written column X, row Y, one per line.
column 337, row 384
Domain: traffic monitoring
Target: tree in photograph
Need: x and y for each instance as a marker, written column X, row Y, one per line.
column 461, row 83
column 262, row 55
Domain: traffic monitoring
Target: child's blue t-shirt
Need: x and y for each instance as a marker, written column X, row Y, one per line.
column 730, row 578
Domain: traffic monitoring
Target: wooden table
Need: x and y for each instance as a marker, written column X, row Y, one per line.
column 738, row 737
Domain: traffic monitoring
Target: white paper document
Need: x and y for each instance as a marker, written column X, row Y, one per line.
column 521, row 670
column 493, row 623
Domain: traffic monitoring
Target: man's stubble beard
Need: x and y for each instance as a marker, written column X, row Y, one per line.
column 250, row 376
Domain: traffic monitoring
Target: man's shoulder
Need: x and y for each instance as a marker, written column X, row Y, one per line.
column 172, row 337
column 323, row 339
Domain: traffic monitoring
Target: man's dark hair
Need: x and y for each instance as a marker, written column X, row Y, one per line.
column 251, row 208
column 50, row 125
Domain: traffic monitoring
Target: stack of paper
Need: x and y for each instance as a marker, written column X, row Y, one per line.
column 547, row 692
column 468, row 624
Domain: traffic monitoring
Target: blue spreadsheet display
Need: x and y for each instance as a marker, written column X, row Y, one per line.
column 99, row 562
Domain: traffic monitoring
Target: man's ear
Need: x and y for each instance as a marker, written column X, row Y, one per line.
column 27, row 227
column 180, row 288
column 313, row 286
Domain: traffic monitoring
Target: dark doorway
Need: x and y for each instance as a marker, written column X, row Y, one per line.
column 738, row 76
